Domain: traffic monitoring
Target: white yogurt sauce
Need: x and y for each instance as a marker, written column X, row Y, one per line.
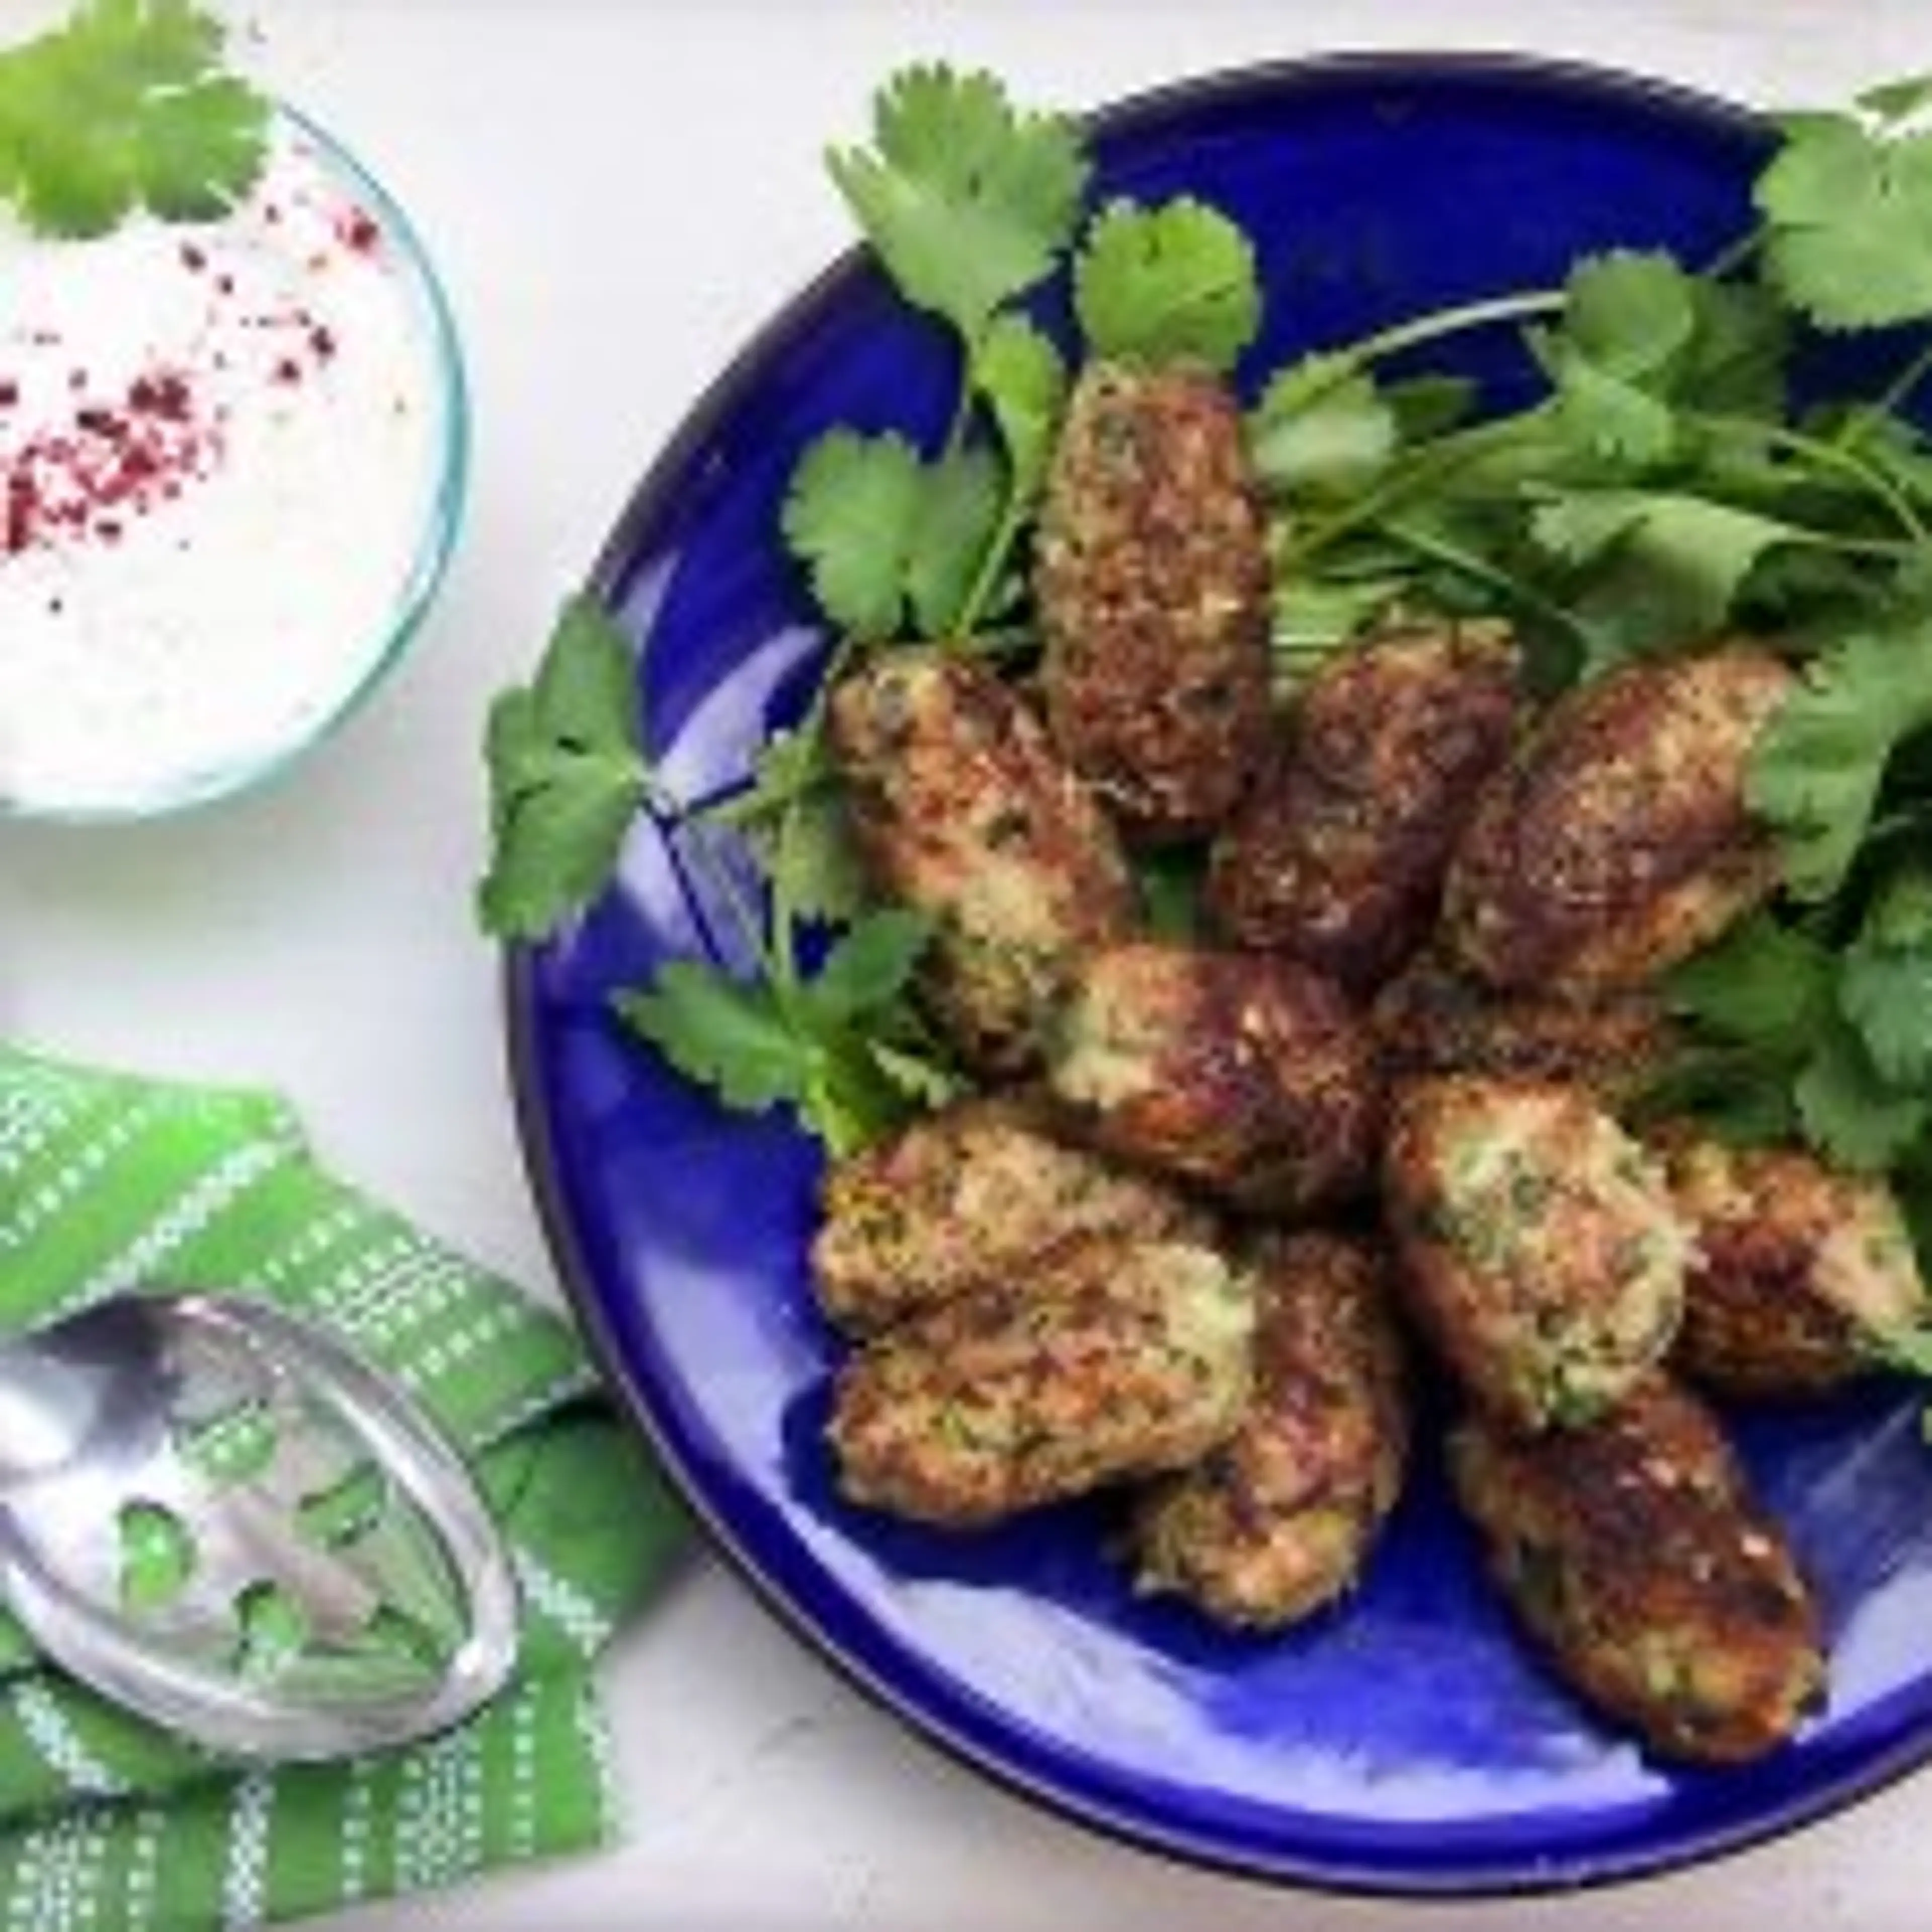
column 220, row 448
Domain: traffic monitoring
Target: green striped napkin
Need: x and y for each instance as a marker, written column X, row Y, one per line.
column 107, row 1182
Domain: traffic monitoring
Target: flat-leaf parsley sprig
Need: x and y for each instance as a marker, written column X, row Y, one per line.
column 126, row 105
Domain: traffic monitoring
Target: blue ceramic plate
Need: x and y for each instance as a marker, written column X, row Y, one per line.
column 1404, row 1744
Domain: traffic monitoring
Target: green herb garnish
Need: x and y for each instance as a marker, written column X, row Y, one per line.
column 126, row 106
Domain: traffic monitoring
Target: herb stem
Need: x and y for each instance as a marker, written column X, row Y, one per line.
column 1453, row 556
column 1866, row 415
column 1735, row 253
column 1827, row 454
column 1525, row 307
column 992, row 560
column 1431, row 463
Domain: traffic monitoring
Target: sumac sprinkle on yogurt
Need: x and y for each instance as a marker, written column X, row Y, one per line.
column 220, row 450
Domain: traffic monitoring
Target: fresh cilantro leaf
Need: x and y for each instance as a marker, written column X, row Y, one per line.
column 1682, row 558
column 1850, row 1114
column 1848, row 212
column 851, row 515
column 1739, row 1095
column 795, row 786
column 1791, row 1052
column 1648, row 355
column 123, row 107
column 968, row 201
column 1756, row 1002
column 926, row 1081
column 1815, row 774
column 1737, row 357
column 1630, row 313
column 729, row 1034
column 1612, row 417
column 959, row 509
column 1322, row 428
column 758, row 1046
column 870, row 966
column 1885, row 986
column 1020, row 376
column 1763, row 985
column 1428, row 406
column 878, row 528
column 1314, row 617
column 1169, row 284
column 566, row 777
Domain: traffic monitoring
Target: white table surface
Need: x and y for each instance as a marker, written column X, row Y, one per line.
column 616, row 193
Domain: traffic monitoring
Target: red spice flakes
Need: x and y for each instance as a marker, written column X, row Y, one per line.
column 357, row 229
column 10, row 392
column 84, row 478
column 162, row 395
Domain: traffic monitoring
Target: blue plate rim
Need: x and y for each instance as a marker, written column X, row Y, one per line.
column 1358, row 1875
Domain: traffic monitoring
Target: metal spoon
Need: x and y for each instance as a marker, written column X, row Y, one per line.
column 216, row 1514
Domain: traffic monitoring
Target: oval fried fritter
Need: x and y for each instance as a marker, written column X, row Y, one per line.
column 1539, row 1248
column 1243, row 1074
column 1279, row 1519
column 1431, row 1020
column 1619, row 841
column 1661, row 1591
column 1116, row 1356
column 968, row 1195
column 1798, row 1274
column 1337, row 856
column 961, row 807
column 1152, row 583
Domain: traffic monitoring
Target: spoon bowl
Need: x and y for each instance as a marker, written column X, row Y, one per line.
column 214, row 1512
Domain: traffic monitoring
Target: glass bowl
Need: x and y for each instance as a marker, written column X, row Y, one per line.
column 317, row 206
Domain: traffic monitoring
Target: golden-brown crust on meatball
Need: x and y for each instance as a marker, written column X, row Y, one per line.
column 1245, row 1076
column 1798, row 1274
column 1113, row 1358
column 1539, row 1248
column 1280, row 1519
column 963, row 1196
column 1634, row 1554
column 1152, row 583
column 961, row 807
column 1619, row 841
column 1337, row 856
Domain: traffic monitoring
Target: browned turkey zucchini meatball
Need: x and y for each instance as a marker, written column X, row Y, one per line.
column 1280, row 1519
column 1337, row 856
column 1432, row 1020
column 1152, row 584
column 1114, row 1358
column 970, row 1194
column 1799, row 1274
column 1633, row 1552
column 1539, row 1247
column 1243, row 1074
column 1619, row 841
column 962, row 808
